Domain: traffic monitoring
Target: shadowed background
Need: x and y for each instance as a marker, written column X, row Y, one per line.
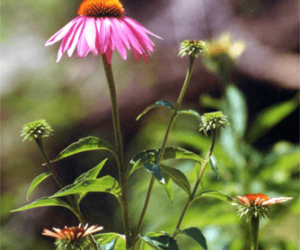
column 73, row 97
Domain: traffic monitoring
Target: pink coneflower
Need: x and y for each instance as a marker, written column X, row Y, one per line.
column 72, row 237
column 100, row 28
column 256, row 204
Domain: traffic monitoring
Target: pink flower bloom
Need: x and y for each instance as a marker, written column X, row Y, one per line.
column 100, row 28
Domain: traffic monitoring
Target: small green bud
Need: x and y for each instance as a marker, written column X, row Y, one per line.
column 213, row 120
column 192, row 48
column 36, row 129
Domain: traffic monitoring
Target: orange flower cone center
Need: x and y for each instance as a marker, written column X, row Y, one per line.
column 73, row 233
column 253, row 197
column 101, row 8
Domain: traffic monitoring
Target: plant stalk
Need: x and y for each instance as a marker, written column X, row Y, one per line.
column 190, row 198
column 60, row 184
column 164, row 143
column 254, row 232
column 120, row 156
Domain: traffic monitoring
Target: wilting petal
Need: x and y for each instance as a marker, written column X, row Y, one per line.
column 276, row 200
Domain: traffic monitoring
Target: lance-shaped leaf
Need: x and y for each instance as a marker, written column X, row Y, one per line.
column 168, row 185
column 178, row 177
column 161, row 242
column 106, row 184
column 193, row 113
column 215, row 194
column 110, row 241
column 36, row 182
column 196, row 235
column 91, row 174
column 86, row 144
column 45, row 202
column 236, row 108
column 155, row 171
column 270, row 117
column 150, row 156
column 161, row 103
column 213, row 164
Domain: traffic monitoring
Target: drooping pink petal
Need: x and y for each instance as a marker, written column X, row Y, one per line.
column 108, row 54
column 76, row 37
column 90, row 34
column 117, row 38
column 276, row 200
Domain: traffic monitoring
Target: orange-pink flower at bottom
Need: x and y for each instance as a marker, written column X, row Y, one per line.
column 256, row 204
column 72, row 237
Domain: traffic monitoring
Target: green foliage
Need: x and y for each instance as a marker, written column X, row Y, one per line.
column 162, row 241
column 155, row 171
column 161, row 103
column 37, row 180
column 110, row 241
column 196, row 235
column 45, row 202
column 86, row 144
column 150, row 156
column 105, row 184
column 213, row 164
column 216, row 194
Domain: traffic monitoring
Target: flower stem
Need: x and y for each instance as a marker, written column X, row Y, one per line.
column 254, row 232
column 60, row 184
column 192, row 60
column 118, row 138
column 190, row 198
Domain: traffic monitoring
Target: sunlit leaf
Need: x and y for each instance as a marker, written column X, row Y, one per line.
column 36, row 182
column 91, row 174
column 215, row 194
column 236, row 109
column 155, row 171
column 213, row 165
column 105, row 184
column 86, row 144
column 196, row 235
column 270, row 117
column 110, row 241
column 161, row 242
column 45, row 202
column 150, row 156
column 178, row 177
column 168, row 185
column 161, row 103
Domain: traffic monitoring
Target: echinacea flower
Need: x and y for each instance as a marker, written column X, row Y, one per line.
column 256, row 204
column 72, row 237
column 100, row 28
column 213, row 120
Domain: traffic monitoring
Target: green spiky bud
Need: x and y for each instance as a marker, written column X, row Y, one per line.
column 213, row 120
column 36, row 130
column 192, row 48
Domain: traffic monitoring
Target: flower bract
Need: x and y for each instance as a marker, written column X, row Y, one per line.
column 70, row 238
column 100, row 28
column 256, row 204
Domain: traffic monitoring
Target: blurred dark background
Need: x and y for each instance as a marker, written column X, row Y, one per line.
column 73, row 97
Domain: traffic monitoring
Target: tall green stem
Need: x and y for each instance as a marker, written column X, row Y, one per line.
column 118, row 138
column 60, row 184
column 192, row 60
column 254, row 232
column 190, row 199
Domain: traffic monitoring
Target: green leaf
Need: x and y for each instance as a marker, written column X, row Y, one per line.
column 208, row 101
column 196, row 235
column 161, row 103
column 193, row 113
column 105, row 184
column 236, row 109
column 86, row 144
column 163, row 242
column 215, row 194
column 36, row 182
column 91, row 174
column 178, row 177
column 150, row 156
column 45, row 202
column 155, row 171
column 168, row 185
column 270, row 117
column 110, row 241
column 146, row 246
column 213, row 165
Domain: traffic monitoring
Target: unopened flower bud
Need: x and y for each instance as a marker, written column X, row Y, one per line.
column 35, row 130
column 213, row 120
column 192, row 48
